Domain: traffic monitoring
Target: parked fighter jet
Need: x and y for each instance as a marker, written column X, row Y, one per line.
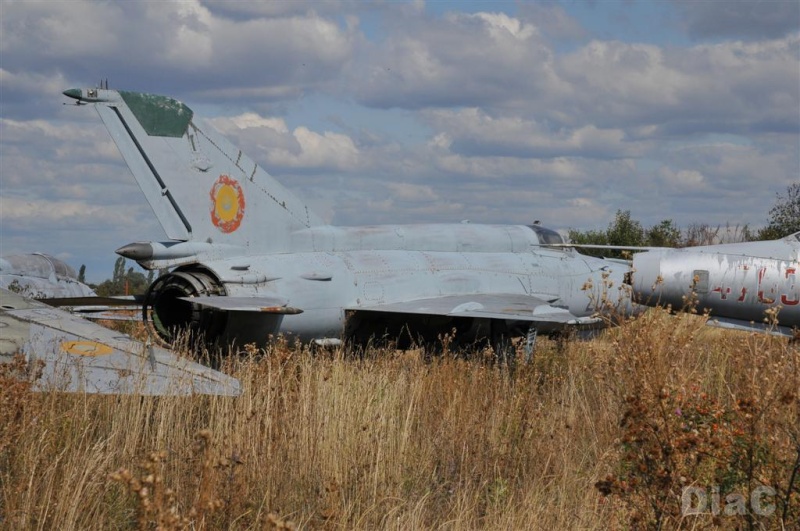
column 79, row 356
column 737, row 283
column 251, row 260
column 41, row 276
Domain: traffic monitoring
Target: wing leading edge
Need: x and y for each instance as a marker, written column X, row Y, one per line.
column 751, row 326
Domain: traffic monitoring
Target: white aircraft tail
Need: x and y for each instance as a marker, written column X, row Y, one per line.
column 200, row 186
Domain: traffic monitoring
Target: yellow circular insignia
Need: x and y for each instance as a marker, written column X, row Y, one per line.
column 227, row 204
column 86, row 348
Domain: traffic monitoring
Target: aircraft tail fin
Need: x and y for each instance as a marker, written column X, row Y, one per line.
column 200, row 186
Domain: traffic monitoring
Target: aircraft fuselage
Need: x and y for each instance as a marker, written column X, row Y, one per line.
column 357, row 267
column 736, row 281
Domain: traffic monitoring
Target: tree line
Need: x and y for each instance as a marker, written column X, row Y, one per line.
column 784, row 219
column 123, row 281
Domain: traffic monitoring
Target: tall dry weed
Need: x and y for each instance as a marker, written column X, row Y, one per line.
column 391, row 440
column 703, row 409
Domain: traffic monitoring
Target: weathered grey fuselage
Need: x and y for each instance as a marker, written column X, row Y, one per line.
column 336, row 268
column 733, row 281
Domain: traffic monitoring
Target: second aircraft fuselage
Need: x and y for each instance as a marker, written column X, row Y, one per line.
column 732, row 281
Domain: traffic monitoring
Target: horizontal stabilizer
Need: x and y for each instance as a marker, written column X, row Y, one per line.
column 245, row 304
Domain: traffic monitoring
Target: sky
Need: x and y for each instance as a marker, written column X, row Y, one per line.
column 381, row 112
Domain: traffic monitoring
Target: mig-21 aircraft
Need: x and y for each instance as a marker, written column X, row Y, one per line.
column 250, row 260
column 736, row 283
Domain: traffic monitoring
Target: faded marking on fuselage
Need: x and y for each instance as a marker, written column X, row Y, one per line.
column 767, row 292
column 785, row 300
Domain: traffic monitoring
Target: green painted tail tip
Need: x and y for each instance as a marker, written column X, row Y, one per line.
column 73, row 93
column 158, row 115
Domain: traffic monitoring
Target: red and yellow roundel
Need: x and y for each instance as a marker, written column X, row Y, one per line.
column 227, row 204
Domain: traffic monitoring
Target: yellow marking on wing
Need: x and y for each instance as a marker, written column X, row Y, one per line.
column 86, row 348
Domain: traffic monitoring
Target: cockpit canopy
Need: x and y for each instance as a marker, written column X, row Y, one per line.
column 39, row 265
column 546, row 236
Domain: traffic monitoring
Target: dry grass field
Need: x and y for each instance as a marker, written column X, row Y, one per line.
column 600, row 434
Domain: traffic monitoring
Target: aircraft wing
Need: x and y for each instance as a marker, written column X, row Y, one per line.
column 750, row 326
column 512, row 307
column 80, row 356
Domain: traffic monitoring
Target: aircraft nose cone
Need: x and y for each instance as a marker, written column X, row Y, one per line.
column 73, row 93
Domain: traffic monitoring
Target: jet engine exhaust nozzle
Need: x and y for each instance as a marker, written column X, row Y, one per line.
column 172, row 319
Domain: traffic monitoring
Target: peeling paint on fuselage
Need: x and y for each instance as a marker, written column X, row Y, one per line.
column 737, row 281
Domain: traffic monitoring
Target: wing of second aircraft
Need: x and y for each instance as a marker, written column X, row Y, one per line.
column 78, row 355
